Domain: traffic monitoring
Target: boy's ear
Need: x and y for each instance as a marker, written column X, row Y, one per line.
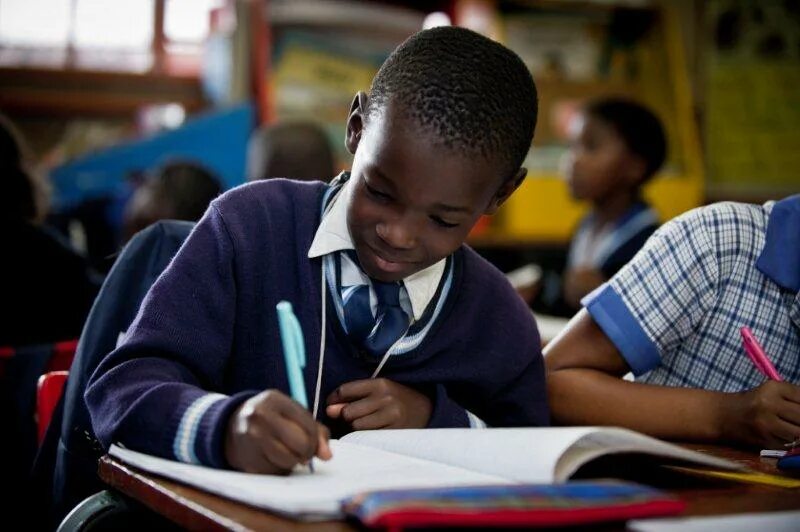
column 355, row 122
column 506, row 189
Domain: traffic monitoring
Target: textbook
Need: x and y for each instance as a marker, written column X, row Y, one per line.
column 425, row 458
column 512, row 505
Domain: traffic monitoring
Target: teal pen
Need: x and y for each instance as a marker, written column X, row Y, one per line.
column 294, row 353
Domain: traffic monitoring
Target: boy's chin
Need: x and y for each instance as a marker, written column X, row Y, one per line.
column 378, row 268
column 388, row 276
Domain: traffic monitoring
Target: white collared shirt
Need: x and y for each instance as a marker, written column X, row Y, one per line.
column 333, row 235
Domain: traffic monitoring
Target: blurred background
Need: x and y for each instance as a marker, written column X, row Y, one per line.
column 118, row 113
column 108, row 92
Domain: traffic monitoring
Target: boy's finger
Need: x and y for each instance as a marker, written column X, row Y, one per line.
column 350, row 391
column 296, row 439
column 790, row 392
column 277, row 453
column 782, row 432
column 363, row 407
column 295, row 412
column 380, row 419
column 335, row 410
column 790, row 413
column 323, row 446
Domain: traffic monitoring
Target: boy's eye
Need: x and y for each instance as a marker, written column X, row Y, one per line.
column 376, row 193
column 443, row 223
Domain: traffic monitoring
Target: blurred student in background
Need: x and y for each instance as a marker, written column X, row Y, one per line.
column 616, row 147
column 47, row 288
column 295, row 150
column 178, row 190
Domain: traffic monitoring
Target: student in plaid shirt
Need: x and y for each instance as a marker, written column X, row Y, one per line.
column 672, row 316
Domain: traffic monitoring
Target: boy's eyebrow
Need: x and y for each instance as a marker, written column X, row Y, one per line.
column 452, row 208
column 439, row 206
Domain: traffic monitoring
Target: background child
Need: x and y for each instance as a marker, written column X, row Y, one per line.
column 295, row 150
column 178, row 190
column 375, row 268
column 47, row 287
column 616, row 146
column 673, row 315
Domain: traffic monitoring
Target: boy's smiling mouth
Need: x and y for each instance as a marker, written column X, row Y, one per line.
column 387, row 263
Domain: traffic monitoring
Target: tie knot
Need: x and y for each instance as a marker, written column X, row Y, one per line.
column 388, row 294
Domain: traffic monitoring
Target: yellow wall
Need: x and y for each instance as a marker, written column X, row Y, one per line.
column 542, row 210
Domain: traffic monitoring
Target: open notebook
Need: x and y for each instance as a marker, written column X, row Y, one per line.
column 394, row 459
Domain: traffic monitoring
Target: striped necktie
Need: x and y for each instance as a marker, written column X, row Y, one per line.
column 376, row 333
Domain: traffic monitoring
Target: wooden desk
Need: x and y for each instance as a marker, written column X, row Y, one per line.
column 195, row 509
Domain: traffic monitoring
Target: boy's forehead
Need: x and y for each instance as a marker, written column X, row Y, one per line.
column 397, row 144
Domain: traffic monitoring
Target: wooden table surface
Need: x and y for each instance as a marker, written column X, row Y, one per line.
column 198, row 510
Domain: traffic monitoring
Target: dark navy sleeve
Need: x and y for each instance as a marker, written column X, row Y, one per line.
column 499, row 353
column 150, row 394
column 446, row 413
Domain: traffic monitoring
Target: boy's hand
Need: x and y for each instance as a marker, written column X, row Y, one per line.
column 379, row 404
column 767, row 416
column 271, row 433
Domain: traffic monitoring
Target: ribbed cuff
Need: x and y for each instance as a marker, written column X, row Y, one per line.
column 200, row 436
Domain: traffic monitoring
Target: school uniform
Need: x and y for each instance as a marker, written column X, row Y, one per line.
column 206, row 338
column 615, row 245
column 606, row 251
column 676, row 310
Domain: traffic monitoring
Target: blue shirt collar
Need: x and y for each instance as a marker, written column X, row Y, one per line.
column 780, row 258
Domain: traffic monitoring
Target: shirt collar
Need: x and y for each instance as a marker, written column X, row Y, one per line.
column 333, row 235
column 780, row 258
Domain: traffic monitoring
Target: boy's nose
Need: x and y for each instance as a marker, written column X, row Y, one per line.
column 399, row 234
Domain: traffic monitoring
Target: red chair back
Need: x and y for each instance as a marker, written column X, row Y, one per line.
column 48, row 392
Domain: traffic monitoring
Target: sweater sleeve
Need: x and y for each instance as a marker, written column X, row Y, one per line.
column 151, row 393
column 501, row 351
column 446, row 413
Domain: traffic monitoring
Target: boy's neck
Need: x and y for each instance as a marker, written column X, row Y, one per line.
column 611, row 208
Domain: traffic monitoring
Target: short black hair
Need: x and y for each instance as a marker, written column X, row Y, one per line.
column 638, row 127
column 187, row 186
column 297, row 150
column 474, row 94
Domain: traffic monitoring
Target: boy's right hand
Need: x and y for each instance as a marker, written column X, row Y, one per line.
column 767, row 416
column 271, row 433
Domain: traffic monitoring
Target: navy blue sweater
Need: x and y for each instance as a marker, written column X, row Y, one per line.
column 209, row 324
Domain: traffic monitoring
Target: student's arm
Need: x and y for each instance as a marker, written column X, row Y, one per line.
column 153, row 393
column 585, row 388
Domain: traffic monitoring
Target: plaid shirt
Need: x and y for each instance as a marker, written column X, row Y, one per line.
column 674, row 312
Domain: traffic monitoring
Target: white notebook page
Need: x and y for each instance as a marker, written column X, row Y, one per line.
column 313, row 496
column 523, row 455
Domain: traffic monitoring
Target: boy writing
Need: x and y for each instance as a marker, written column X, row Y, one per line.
column 673, row 316
column 375, row 268
column 617, row 146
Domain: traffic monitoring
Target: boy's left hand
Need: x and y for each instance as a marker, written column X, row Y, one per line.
column 379, row 404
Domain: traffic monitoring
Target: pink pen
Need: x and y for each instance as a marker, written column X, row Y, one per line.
column 758, row 356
